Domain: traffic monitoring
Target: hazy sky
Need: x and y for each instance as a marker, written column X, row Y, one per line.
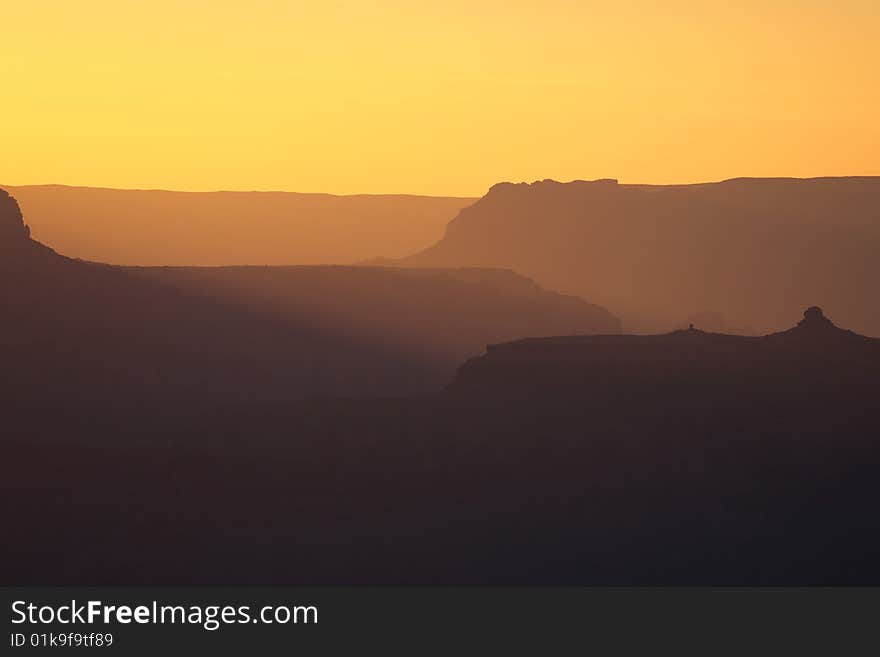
column 439, row 98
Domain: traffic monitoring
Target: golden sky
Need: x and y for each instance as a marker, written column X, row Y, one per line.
column 434, row 97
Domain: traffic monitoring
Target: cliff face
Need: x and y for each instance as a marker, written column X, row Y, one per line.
column 15, row 236
column 755, row 250
column 13, row 230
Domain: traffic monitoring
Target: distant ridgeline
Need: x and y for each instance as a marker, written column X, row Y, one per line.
column 815, row 359
column 155, row 227
column 754, row 250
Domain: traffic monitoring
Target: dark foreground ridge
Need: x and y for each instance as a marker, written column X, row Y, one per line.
column 683, row 459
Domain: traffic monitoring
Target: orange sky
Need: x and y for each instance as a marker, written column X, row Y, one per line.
column 435, row 98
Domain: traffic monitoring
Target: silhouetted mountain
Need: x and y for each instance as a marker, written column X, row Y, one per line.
column 756, row 249
column 154, row 227
column 78, row 333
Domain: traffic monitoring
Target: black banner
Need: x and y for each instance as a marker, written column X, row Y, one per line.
column 220, row 620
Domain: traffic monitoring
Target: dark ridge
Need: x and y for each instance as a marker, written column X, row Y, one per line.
column 689, row 458
column 814, row 352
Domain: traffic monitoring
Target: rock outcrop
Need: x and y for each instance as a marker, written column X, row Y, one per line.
column 15, row 235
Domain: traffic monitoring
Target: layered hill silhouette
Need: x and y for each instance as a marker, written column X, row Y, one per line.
column 155, row 227
column 754, row 250
column 289, row 425
column 77, row 333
